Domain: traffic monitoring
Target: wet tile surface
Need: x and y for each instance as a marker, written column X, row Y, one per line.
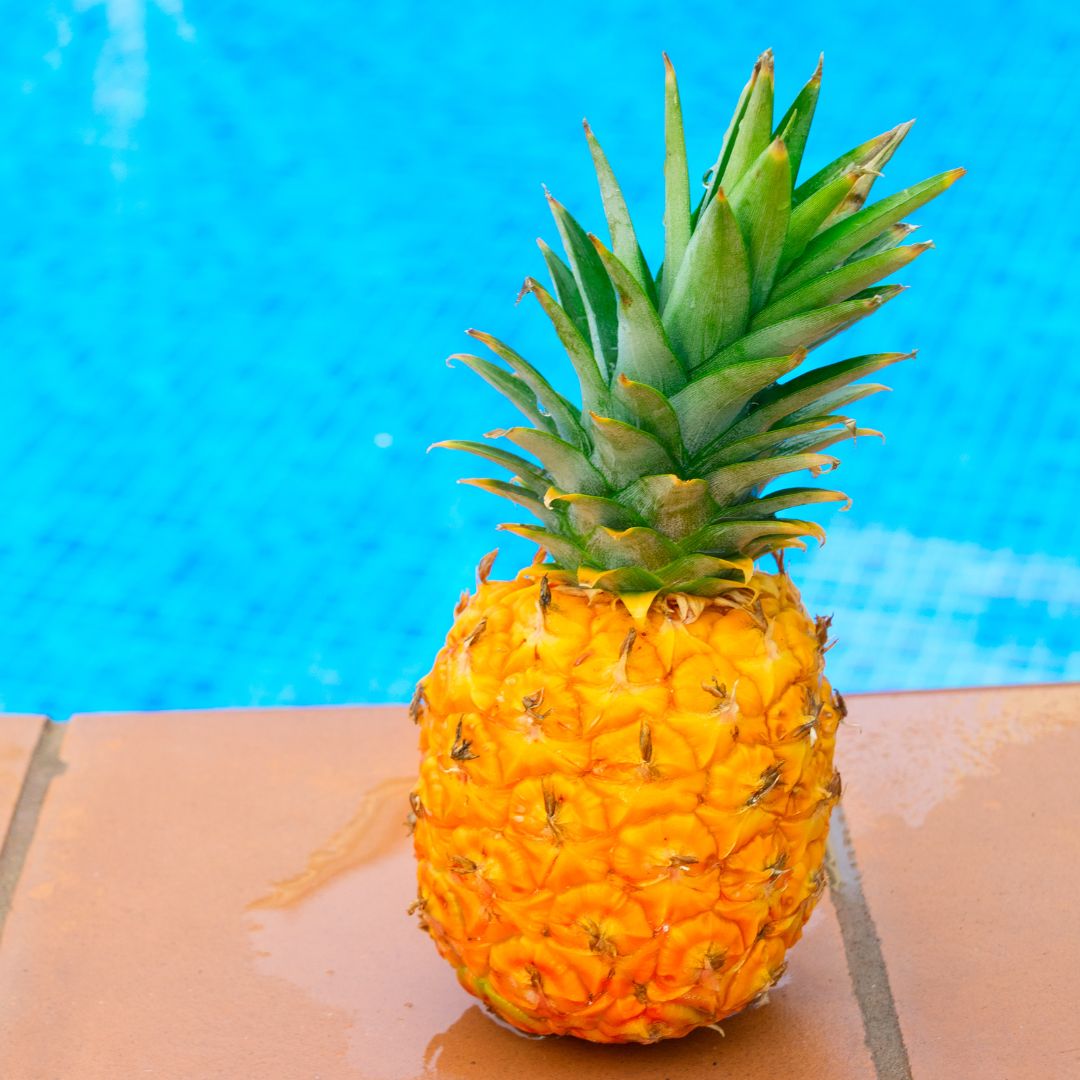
column 963, row 811
column 224, row 895
column 18, row 737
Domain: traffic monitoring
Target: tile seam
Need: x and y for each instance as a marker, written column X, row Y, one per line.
column 44, row 765
column 865, row 959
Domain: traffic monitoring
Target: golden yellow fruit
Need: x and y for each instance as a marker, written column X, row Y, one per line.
column 620, row 824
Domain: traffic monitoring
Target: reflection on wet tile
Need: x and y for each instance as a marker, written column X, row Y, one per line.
column 375, row 829
column 922, row 749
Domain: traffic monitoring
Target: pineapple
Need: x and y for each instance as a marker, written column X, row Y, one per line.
column 627, row 749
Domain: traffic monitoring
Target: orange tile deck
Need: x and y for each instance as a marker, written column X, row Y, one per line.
column 223, row 894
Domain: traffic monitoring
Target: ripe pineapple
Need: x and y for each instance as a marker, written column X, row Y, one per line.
column 627, row 750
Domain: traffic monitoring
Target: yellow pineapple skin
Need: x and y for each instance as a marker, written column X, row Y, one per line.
column 620, row 825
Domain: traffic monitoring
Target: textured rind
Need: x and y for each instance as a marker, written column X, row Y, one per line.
column 620, row 827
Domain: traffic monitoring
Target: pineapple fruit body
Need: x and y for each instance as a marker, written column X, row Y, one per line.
column 620, row 824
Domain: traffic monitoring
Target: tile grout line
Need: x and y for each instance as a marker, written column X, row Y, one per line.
column 44, row 764
column 865, row 960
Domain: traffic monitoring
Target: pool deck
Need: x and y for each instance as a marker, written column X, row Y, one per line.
column 224, row 894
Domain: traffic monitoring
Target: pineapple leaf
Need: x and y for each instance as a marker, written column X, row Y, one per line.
column 712, row 586
column 593, row 284
column 565, row 552
column 510, row 386
column 787, row 398
column 560, row 411
column 807, row 217
column 754, row 130
column 693, row 567
column 594, row 392
column 676, row 184
column 671, row 505
column 891, row 237
column 516, row 494
column 733, row 482
column 709, row 304
column 868, row 173
column 712, row 177
column 765, row 442
column 769, row 545
column 566, row 288
column 783, row 499
column 839, row 284
column 734, row 536
column 565, row 464
column 801, row 331
column 644, row 352
column 761, row 202
column 856, row 158
column 710, row 404
column 837, row 399
column 849, row 431
column 623, row 452
column 794, row 127
column 531, row 477
column 624, row 580
column 624, row 242
column 636, row 546
column 835, row 244
column 587, row 513
column 649, row 410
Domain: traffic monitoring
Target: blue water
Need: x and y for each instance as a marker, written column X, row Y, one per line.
column 240, row 239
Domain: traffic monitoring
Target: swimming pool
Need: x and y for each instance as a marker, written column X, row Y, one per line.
column 241, row 238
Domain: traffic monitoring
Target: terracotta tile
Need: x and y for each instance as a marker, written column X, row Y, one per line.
column 963, row 811
column 18, row 737
column 137, row 946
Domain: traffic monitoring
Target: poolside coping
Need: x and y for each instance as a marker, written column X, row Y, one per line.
column 224, row 894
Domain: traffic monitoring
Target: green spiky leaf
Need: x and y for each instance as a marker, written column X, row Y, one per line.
column 566, row 289
column 807, row 217
column 674, row 506
column 564, row 463
column 761, row 202
column 794, row 127
column 564, row 551
column 516, row 494
column 803, row 331
column 837, row 243
column 733, row 482
column 785, row 499
column 623, row 452
column 709, row 305
column 709, row 405
column 532, row 477
column 839, row 284
column 648, row 409
column 676, row 184
column 593, row 386
column 624, row 242
column 593, row 285
column 562, row 414
column 510, row 386
column 644, row 351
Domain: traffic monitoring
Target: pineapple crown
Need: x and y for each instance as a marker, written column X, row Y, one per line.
column 656, row 483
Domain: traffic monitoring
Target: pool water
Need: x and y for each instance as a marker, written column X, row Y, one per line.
column 240, row 239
